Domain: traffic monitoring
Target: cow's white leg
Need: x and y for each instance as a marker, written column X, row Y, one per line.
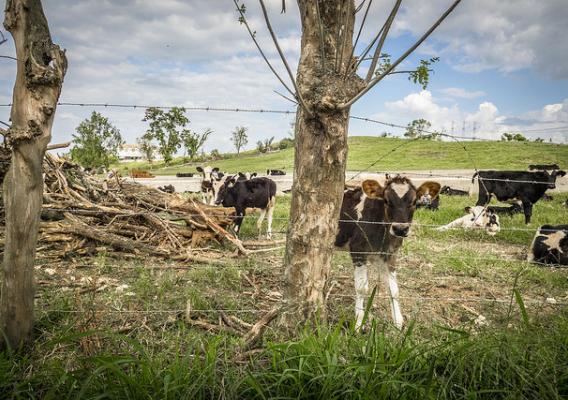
column 269, row 213
column 259, row 221
column 389, row 277
column 361, row 290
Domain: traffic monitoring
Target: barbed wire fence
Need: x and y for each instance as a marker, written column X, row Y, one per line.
column 282, row 230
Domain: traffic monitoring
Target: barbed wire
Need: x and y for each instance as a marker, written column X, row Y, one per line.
column 287, row 112
column 543, row 302
column 362, row 222
column 368, row 171
column 187, row 108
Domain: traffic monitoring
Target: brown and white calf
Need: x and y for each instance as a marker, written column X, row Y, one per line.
column 373, row 223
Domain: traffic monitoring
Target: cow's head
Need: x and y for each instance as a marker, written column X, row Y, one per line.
column 484, row 218
column 552, row 177
column 211, row 177
column 247, row 175
column 399, row 196
column 427, row 192
column 224, row 188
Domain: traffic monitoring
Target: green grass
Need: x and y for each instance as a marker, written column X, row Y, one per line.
column 523, row 361
column 397, row 154
column 441, row 354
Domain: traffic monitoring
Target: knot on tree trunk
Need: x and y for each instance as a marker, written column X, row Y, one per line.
column 329, row 92
column 15, row 135
column 48, row 71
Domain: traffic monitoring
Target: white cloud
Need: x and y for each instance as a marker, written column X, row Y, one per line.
column 550, row 122
column 504, row 35
column 462, row 93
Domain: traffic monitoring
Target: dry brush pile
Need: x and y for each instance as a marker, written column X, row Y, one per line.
column 84, row 215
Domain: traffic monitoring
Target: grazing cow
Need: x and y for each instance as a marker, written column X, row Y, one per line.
column 210, row 180
column 167, row 189
column 528, row 187
column 550, row 245
column 253, row 193
column 374, row 220
column 275, row 172
column 543, row 167
column 477, row 217
column 428, row 196
column 510, row 211
column 448, row 191
column 246, row 176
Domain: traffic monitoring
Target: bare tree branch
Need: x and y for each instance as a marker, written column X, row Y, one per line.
column 344, row 36
column 361, row 58
column 286, row 97
column 401, row 58
column 410, row 71
column 338, row 36
column 4, row 40
column 322, row 41
column 58, row 146
column 9, row 57
column 358, row 33
column 252, row 35
column 379, row 48
column 275, row 40
column 360, row 6
column 5, row 124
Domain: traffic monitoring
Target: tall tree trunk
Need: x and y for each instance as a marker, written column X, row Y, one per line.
column 40, row 72
column 320, row 152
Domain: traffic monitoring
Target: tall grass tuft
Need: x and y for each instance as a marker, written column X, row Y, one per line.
column 525, row 361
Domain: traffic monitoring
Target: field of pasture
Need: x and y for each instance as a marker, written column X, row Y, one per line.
column 480, row 323
column 410, row 155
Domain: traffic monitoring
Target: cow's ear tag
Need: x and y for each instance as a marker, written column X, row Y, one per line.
column 372, row 189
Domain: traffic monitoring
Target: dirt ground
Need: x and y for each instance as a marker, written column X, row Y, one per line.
column 457, row 179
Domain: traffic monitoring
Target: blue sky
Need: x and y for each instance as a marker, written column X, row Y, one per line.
column 502, row 66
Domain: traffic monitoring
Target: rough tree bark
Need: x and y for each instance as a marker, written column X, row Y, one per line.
column 41, row 67
column 320, row 151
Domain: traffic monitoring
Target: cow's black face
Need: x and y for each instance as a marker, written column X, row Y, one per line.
column 552, row 178
column 222, row 191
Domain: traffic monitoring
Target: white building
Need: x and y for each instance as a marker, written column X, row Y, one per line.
column 132, row 152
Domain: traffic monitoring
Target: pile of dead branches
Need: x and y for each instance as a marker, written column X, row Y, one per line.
column 83, row 214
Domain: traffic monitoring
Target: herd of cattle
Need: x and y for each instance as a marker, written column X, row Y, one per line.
column 375, row 217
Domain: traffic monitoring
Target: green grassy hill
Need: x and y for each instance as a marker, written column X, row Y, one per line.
column 398, row 154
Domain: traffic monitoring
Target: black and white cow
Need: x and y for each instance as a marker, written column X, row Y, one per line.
column 550, row 245
column 448, row 191
column 246, row 176
column 211, row 179
column 275, row 172
column 253, row 193
column 373, row 223
column 543, row 167
column 477, row 217
column 528, row 187
column 510, row 210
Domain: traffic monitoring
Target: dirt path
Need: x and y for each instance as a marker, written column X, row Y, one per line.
column 455, row 178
